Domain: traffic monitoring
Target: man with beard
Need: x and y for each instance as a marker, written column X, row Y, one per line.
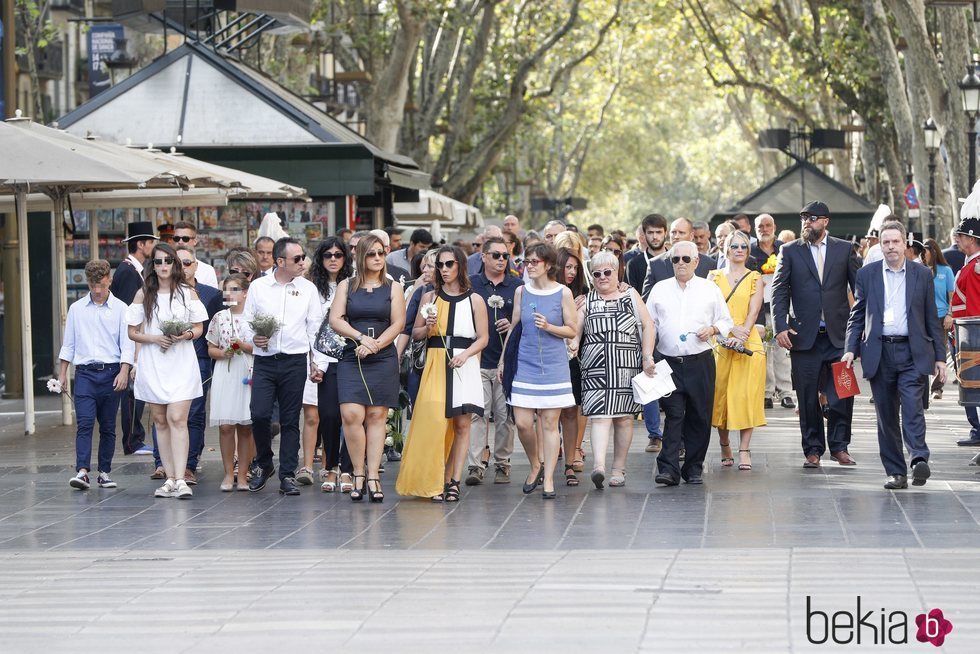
column 654, row 228
column 814, row 273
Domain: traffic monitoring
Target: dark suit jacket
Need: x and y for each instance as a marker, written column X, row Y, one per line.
column 954, row 258
column 126, row 281
column 636, row 270
column 660, row 268
column 796, row 280
column 864, row 326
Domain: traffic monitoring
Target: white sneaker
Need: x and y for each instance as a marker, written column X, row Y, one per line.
column 167, row 490
column 182, row 491
column 105, row 482
column 80, row 481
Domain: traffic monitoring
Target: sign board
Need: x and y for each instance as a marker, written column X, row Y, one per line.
column 3, row 107
column 101, row 44
column 911, row 197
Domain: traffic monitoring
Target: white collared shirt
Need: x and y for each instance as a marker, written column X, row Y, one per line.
column 894, row 282
column 296, row 305
column 97, row 333
column 677, row 312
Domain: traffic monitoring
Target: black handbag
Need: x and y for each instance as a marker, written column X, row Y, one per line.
column 328, row 342
column 417, row 349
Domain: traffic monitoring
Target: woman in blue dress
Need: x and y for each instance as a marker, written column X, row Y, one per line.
column 541, row 382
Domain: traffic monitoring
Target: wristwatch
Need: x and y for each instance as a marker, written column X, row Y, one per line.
column 359, row 338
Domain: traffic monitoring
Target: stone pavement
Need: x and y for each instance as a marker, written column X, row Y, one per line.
column 727, row 565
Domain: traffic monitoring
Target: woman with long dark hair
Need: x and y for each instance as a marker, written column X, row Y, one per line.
column 452, row 389
column 167, row 375
column 368, row 310
column 571, row 273
column 616, row 246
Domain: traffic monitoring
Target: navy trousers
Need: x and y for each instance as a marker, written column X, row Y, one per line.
column 95, row 400
column 278, row 377
column 898, row 387
column 811, row 374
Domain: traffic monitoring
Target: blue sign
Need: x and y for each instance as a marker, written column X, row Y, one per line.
column 101, row 44
column 911, row 197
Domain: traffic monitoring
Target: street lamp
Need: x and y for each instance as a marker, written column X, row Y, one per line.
column 119, row 62
column 970, row 94
column 932, row 140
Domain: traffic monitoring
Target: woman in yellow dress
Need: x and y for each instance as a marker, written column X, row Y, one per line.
column 740, row 380
column 452, row 389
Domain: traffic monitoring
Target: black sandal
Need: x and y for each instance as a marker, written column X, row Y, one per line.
column 570, row 478
column 357, row 493
column 452, row 491
column 376, row 496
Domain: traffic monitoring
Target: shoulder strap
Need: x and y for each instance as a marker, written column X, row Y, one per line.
column 735, row 288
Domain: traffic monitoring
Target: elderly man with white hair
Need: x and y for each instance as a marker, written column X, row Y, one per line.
column 688, row 312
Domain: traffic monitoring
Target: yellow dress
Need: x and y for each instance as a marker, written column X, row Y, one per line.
column 740, row 380
column 444, row 392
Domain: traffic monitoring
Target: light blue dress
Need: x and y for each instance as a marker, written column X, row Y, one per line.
column 542, row 380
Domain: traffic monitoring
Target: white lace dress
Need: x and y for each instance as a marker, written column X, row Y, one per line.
column 231, row 386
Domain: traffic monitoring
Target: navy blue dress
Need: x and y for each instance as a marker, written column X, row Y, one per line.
column 369, row 312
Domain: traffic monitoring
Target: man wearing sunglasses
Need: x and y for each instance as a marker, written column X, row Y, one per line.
column 689, row 312
column 186, row 234
column 810, row 306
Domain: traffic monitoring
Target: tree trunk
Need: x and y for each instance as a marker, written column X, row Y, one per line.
column 386, row 102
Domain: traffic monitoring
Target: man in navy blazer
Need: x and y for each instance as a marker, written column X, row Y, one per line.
column 660, row 268
column 895, row 329
column 813, row 273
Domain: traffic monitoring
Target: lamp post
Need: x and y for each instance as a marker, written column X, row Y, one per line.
column 932, row 141
column 970, row 95
column 120, row 63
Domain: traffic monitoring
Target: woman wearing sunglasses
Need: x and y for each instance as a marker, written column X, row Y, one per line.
column 546, row 312
column 740, row 379
column 452, row 390
column 368, row 311
column 617, row 247
column 168, row 377
column 617, row 338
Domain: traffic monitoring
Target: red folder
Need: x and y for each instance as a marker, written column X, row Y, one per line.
column 845, row 381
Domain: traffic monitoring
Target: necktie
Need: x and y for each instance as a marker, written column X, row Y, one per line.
column 820, row 263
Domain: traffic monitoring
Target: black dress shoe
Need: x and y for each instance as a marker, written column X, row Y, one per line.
column 767, row 403
column 920, row 472
column 897, row 481
column 288, row 487
column 666, row 479
column 529, row 488
column 695, row 479
column 969, row 442
column 787, row 402
column 259, row 478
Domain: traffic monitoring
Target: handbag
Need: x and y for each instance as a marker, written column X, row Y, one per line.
column 328, row 342
column 417, row 350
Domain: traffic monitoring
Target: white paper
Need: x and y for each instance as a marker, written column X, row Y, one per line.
column 647, row 389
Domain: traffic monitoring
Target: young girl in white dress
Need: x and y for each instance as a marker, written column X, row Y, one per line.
column 231, row 387
column 167, row 374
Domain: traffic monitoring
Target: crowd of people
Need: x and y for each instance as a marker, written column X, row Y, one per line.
column 541, row 333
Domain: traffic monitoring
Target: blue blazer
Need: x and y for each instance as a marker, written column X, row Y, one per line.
column 796, row 281
column 865, row 323
column 660, row 268
column 126, row 282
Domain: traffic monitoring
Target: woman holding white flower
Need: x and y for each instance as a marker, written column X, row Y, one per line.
column 164, row 319
column 454, row 319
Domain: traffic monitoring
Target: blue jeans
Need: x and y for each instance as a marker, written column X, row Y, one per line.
column 651, row 418
column 196, row 421
column 95, row 400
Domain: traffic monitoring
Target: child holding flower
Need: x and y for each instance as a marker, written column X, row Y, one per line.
column 232, row 382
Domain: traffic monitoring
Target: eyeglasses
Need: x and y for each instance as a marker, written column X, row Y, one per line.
column 615, row 251
column 375, row 253
column 497, row 256
column 333, row 255
column 807, row 218
column 166, row 261
column 738, row 246
column 236, row 271
column 188, row 262
column 296, row 259
column 183, row 239
column 602, row 273
column 531, row 262
column 683, row 257
column 445, row 264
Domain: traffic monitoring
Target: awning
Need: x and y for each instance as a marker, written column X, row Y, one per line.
column 433, row 206
column 407, row 177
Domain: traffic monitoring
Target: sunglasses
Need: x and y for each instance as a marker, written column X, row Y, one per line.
column 296, row 259
column 236, row 271
column 166, row 261
column 598, row 274
column 807, row 218
column 683, row 257
column 738, row 246
column 532, row 262
column 183, row 239
column 615, row 251
column 497, row 256
column 333, row 255
column 375, row 253
column 445, row 264
column 188, row 262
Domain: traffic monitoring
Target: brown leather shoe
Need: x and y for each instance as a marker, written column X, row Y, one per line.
column 159, row 473
column 812, row 461
column 843, row 458
column 190, row 477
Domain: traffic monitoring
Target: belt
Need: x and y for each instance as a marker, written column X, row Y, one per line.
column 452, row 342
column 96, row 366
column 278, row 355
column 689, row 358
column 895, row 339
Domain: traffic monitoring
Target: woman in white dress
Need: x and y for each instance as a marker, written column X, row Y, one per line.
column 231, row 388
column 167, row 373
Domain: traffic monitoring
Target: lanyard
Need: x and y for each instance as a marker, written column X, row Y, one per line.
column 890, row 296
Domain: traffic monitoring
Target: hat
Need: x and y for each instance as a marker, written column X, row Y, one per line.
column 816, row 208
column 969, row 226
column 872, row 233
column 915, row 240
column 139, row 231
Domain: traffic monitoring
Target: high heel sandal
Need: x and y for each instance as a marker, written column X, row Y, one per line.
column 346, row 483
column 329, row 484
column 727, row 461
column 570, row 478
column 452, row 491
column 376, row 496
column 441, row 497
column 618, row 478
column 745, row 466
column 357, row 492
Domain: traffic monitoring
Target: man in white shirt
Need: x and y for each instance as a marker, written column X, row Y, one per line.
column 186, row 234
column 97, row 343
column 688, row 311
column 280, row 371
